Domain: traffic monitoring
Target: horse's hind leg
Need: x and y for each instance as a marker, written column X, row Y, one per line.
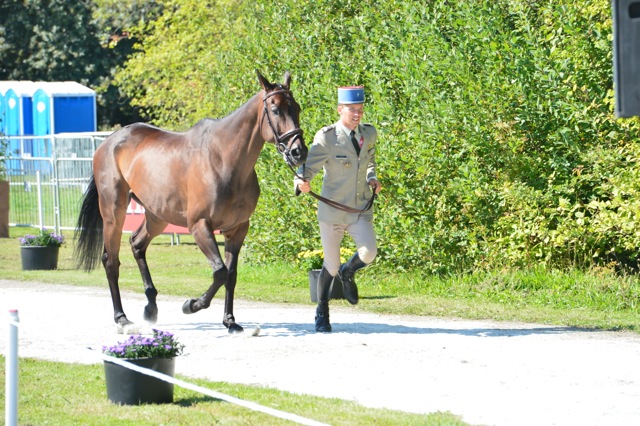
column 113, row 218
column 140, row 240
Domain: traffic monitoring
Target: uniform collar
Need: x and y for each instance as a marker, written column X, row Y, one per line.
column 342, row 128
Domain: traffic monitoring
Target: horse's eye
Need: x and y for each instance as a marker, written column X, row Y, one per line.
column 274, row 110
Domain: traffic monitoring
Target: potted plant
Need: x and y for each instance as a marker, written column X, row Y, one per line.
column 40, row 251
column 312, row 260
column 4, row 189
column 157, row 353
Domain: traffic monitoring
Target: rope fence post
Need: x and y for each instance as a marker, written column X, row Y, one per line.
column 11, row 371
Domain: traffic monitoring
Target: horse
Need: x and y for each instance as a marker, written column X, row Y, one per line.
column 203, row 179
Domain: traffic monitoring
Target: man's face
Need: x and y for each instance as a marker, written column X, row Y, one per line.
column 351, row 114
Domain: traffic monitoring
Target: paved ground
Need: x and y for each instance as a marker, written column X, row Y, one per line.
column 489, row 373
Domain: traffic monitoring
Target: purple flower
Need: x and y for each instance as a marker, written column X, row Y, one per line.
column 161, row 344
column 43, row 239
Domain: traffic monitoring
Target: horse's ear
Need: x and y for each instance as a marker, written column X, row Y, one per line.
column 287, row 79
column 264, row 82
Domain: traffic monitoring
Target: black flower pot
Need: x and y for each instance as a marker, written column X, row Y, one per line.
column 36, row 257
column 128, row 387
column 336, row 289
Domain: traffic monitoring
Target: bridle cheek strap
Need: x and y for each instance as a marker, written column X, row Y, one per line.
column 290, row 135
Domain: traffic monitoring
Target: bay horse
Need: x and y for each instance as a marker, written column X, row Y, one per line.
column 203, row 179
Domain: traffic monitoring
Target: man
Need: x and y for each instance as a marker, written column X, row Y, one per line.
column 345, row 151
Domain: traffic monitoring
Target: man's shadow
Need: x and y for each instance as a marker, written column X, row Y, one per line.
column 283, row 329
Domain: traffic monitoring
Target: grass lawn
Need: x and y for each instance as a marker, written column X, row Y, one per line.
column 52, row 393
column 57, row 393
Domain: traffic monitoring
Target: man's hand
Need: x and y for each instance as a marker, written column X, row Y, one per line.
column 375, row 185
column 304, row 186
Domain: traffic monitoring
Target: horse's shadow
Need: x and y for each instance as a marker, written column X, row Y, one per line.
column 302, row 329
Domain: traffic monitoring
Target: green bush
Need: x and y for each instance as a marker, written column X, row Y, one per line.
column 497, row 140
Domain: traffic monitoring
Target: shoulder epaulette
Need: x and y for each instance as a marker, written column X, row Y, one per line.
column 327, row 128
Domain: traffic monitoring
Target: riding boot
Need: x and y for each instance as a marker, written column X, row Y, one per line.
column 346, row 275
column 322, row 311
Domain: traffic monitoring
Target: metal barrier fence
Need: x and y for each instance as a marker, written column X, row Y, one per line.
column 45, row 190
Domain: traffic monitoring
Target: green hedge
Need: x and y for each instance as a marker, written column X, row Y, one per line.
column 497, row 141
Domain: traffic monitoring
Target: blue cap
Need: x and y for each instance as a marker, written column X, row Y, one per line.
column 351, row 95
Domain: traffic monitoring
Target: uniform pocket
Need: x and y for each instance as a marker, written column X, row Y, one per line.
column 343, row 161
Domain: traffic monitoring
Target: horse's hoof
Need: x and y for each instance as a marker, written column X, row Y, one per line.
column 151, row 314
column 187, row 307
column 128, row 329
column 235, row 328
column 122, row 321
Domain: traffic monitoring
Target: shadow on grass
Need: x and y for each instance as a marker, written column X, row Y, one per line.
column 190, row 402
column 378, row 297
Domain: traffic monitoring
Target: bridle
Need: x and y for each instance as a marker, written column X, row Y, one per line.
column 285, row 149
column 291, row 135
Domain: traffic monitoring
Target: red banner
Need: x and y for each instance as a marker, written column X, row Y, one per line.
column 135, row 216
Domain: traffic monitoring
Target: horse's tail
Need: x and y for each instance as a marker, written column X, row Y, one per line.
column 88, row 235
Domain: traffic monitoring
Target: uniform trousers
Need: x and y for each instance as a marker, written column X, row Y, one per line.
column 363, row 235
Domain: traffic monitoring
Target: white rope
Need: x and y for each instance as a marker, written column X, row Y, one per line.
column 213, row 394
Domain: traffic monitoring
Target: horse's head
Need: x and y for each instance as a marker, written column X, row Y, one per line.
column 280, row 120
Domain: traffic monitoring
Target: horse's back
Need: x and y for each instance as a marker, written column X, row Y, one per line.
column 135, row 135
column 138, row 142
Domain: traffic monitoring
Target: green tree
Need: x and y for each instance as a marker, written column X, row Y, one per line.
column 497, row 145
column 44, row 40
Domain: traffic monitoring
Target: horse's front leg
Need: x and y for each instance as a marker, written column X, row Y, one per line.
column 203, row 235
column 233, row 244
column 140, row 240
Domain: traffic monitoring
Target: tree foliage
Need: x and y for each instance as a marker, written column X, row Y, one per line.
column 498, row 145
column 45, row 40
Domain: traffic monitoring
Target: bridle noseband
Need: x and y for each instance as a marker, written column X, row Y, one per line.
column 291, row 135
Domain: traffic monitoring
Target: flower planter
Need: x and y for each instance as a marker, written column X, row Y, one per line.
column 128, row 387
column 36, row 257
column 336, row 290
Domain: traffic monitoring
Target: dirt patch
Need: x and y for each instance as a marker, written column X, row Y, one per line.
column 487, row 372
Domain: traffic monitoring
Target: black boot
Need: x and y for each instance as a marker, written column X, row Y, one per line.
column 346, row 275
column 322, row 311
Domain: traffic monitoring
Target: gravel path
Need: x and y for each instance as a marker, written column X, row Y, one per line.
column 487, row 372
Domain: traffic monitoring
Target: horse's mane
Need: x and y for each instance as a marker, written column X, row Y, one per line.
column 207, row 121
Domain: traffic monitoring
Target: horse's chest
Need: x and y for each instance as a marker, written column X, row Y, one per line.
column 237, row 202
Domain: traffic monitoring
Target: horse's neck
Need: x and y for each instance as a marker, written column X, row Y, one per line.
column 239, row 135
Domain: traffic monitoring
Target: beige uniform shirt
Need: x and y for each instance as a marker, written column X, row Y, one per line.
column 346, row 175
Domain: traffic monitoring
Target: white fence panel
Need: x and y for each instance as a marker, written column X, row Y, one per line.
column 63, row 163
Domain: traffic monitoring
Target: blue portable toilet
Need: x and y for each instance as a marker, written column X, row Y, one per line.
column 11, row 113
column 4, row 86
column 17, row 109
column 61, row 107
column 5, row 114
